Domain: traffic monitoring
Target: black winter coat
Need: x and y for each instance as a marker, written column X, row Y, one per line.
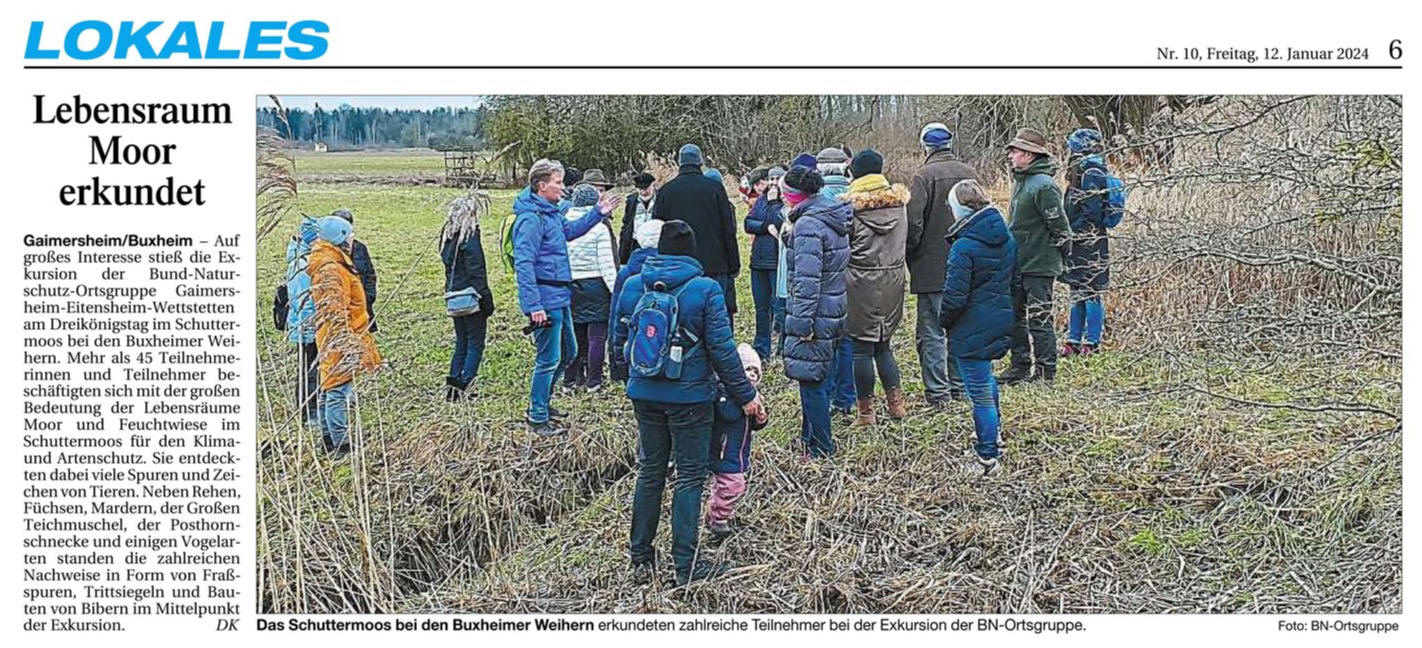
column 464, row 268
column 365, row 269
column 703, row 204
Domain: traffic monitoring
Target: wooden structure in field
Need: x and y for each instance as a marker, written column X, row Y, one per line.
column 464, row 168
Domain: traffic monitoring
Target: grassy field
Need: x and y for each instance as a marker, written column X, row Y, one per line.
column 393, row 166
column 1145, row 480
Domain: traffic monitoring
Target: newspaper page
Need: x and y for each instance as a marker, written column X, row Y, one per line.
column 889, row 323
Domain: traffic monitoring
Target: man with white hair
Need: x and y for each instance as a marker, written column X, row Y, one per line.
column 929, row 218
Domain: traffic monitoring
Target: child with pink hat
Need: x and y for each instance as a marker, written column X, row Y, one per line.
column 730, row 452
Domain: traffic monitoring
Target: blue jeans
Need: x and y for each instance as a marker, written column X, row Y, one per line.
column 1088, row 316
column 335, row 412
column 769, row 310
column 982, row 391
column 556, row 346
column 469, row 335
column 815, row 418
column 670, row 430
column 840, row 384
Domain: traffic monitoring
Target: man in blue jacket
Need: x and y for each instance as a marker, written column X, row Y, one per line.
column 540, row 249
column 675, row 415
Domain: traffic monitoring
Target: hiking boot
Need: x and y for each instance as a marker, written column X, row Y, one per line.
column 556, row 413
column 702, row 570
column 643, row 573
column 1069, row 349
column 1086, row 350
column 866, row 413
column 976, row 466
column 898, row 405
column 327, row 444
column 1015, row 374
column 339, row 452
column 451, row 389
column 1043, row 374
column 719, row 530
column 547, row 428
column 596, row 387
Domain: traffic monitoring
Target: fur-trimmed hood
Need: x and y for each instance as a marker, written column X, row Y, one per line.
column 896, row 195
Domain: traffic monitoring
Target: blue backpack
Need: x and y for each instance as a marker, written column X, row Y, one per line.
column 655, row 344
column 1116, row 193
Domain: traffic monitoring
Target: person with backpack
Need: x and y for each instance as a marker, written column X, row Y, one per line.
column 978, row 310
column 344, row 344
column 1043, row 236
column 875, row 281
column 1091, row 207
column 300, row 326
column 365, row 268
column 648, row 234
column 763, row 222
column 928, row 220
column 538, row 240
column 466, row 289
column 701, row 202
column 678, row 343
column 592, row 259
column 818, row 258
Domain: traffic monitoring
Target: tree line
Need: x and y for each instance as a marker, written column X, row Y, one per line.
column 347, row 127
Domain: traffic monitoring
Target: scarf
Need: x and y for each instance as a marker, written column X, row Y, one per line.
column 868, row 183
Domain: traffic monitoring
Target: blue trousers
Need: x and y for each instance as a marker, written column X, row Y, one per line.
column 556, row 345
column 981, row 386
column 815, row 418
column 1088, row 317
column 840, row 384
column 769, row 311
column 335, row 412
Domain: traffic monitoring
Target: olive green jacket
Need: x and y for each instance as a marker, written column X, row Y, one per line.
column 1039, row 223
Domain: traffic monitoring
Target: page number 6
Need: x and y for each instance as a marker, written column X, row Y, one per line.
column 1394, row 49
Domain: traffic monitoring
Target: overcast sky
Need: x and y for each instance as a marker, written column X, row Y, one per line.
column 328, row 102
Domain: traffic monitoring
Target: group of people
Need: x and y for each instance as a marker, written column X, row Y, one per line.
column 834, row 247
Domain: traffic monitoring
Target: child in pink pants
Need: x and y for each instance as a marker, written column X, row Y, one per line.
column 730, row 452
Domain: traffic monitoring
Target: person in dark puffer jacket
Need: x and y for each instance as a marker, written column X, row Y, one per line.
column 463, row 256
column 674, row 416
column 818, row 257
column 977, row 308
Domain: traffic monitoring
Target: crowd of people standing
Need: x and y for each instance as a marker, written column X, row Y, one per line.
column 835, row 246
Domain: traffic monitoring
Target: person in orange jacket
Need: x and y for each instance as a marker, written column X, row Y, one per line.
column 345, row 347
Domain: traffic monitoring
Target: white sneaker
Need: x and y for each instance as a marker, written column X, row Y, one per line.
column 975, row 466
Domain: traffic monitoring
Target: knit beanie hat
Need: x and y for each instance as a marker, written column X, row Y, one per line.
column 677, row 238
column 649, row 233
column 690, row 154
column 749, row 360
column 803, row 159
column 643, row 180
column 866, row 162
column 832, row 161
column 334, row 230
column 584, row 195
column 960, row 211
column 935, row 136
column 806, row 180
column 775, row 173
column 346, row 214
column 714, row 175
column 572, row 176
column 1084, row 140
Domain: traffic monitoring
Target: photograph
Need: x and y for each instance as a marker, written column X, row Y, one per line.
column 828, row 354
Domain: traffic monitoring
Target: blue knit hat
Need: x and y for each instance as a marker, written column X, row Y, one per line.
column 584, row 195
column 804, row 160
column 714, row 175
column 690, row 154
column 935, row 136
column 334, row 230
column 1083, row 140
